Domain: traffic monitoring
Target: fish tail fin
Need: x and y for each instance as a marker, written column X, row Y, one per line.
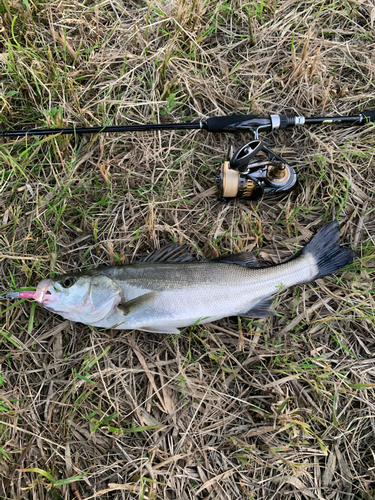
column 328, row 255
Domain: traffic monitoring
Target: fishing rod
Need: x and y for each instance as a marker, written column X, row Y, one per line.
column 231, row 123
column 252, row 171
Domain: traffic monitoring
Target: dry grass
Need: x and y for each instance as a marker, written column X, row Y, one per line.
column 271, row 409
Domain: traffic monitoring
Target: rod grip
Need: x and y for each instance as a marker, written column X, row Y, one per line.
column 370, row 115
column 227, row 123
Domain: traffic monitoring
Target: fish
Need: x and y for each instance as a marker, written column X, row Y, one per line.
column 170, row 289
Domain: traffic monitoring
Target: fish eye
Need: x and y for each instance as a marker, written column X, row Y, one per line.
column 68, row 282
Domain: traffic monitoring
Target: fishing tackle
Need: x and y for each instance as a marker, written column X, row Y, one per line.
column 253, row 170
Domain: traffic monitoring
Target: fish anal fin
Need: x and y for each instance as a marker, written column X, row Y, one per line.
column 244, row 259
column 261, row 309
column 170, row 253
column 126, row 307
column 160, row 329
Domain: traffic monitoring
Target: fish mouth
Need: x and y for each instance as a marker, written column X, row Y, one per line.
column 43, row 293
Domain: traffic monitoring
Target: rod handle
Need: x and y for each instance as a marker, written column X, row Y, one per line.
column 227, row 123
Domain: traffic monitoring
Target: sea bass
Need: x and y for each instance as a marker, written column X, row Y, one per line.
column 169, row 290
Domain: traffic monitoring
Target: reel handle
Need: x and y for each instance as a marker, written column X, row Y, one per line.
column 242, row 157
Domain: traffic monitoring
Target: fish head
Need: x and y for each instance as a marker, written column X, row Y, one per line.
column 86, row 298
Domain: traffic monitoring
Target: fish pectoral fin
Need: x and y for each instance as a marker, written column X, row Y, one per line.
column 262, row 309
column 170, row 253
column 126, row 307
column 244, row 259
column 160, row 329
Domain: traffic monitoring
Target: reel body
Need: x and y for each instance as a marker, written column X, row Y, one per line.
column 253, row 171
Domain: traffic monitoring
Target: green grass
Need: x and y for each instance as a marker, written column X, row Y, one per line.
column 236, row 400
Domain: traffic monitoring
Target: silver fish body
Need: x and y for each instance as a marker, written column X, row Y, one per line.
column 177, row 295
column 165, row 296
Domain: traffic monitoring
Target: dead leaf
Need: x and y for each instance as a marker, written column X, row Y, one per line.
column 294, row 481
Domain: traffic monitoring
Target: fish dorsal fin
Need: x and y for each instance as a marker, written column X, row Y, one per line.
column 245, row 259
column 262, row 309
column 170, row 253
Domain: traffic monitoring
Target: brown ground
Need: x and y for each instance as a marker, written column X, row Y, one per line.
column 281, row 408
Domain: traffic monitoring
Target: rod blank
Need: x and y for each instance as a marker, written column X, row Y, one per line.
column 232, row 123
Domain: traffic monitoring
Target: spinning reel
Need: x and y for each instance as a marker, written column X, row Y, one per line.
column 255, row 170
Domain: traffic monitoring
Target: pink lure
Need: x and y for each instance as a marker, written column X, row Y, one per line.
column 20, row 295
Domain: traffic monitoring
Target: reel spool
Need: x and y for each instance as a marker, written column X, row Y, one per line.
column 250, row 176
